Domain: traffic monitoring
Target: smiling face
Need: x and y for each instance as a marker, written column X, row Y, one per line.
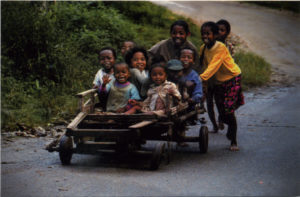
column 158, row 75
column 138, row 61
column 121, row 73
column 208, row 37
column 187, row 58
column 178, row 35
column 107, row 59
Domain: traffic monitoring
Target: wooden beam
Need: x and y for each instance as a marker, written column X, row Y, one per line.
column 142, row 124
column 77, row 120
column 82, row 94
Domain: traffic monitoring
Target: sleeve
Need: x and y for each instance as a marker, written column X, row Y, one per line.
column 176, row 91
column 97, row 81
column 197, row 93
column 138, row 75
column 134, row 93
column 214, row 65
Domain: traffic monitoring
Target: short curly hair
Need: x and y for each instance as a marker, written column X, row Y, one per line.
column 212, row 25
column 129, row 55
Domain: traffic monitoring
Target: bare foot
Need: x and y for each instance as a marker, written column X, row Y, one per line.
column 234, row 148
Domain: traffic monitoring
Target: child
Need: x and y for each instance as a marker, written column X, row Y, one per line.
column 224, row 31
column 137, row 59
column 156, row 101
column 175, row 73
column 227, row 76
column 190, row 77
column 118, row 92
column 170, row 48
column 107, row 58
column 126, row 46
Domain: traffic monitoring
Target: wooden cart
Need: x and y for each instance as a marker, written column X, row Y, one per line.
column 92, row 132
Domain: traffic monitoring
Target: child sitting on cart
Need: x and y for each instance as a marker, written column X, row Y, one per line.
column 156, row 101
column 190, row 78
column 118, row 92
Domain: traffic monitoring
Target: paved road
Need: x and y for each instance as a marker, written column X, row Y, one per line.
column 266, row 165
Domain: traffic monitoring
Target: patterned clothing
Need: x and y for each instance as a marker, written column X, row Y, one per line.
column 156, row 94
column 233, row 96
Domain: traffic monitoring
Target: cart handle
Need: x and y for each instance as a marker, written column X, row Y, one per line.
column 89, row 104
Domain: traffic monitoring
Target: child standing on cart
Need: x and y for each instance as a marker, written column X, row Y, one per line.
column 107, row 58
column 118, row 92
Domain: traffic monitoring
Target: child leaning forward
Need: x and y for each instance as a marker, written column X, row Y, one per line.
column 227, row 74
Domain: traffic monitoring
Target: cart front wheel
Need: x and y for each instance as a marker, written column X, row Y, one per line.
column 157, row 156
column 65, row 150
column 203, row 139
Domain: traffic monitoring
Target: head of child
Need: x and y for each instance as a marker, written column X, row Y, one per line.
column 187, row 57
column 209, row 33
column 137, row 58
column 179, row 32
column 107, row 58
column 121, row 72
column 224, row 29
column 175, row 70
column 158, row 74
column 126, row 46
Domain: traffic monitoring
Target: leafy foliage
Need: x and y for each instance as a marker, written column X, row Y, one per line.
column 50, row 51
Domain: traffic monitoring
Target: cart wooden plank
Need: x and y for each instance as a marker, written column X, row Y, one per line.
column 142, row 124
column 77, row 120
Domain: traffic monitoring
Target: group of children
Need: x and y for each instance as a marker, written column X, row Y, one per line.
column 142, row 82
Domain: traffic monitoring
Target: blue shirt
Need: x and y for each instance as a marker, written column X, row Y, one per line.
column 194, row 77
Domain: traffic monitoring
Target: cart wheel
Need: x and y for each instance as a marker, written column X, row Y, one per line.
column 203, row 139
column 157, row 156
column 65, row 150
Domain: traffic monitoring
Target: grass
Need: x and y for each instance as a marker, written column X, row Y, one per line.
column 255, row 70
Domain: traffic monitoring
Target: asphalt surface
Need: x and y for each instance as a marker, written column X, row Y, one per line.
column 266, row 165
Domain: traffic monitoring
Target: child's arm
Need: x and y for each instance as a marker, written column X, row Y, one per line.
column 173, row 91
column 104, row 89
column 197, row 92
column 214, row 64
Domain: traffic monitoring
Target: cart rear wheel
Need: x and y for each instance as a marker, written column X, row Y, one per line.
column 203, row 139
column 157, row 156
column 65, row 150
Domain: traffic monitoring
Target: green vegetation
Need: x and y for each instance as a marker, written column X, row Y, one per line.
column 49, row 51
column 293, row 6
column 255, row 70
